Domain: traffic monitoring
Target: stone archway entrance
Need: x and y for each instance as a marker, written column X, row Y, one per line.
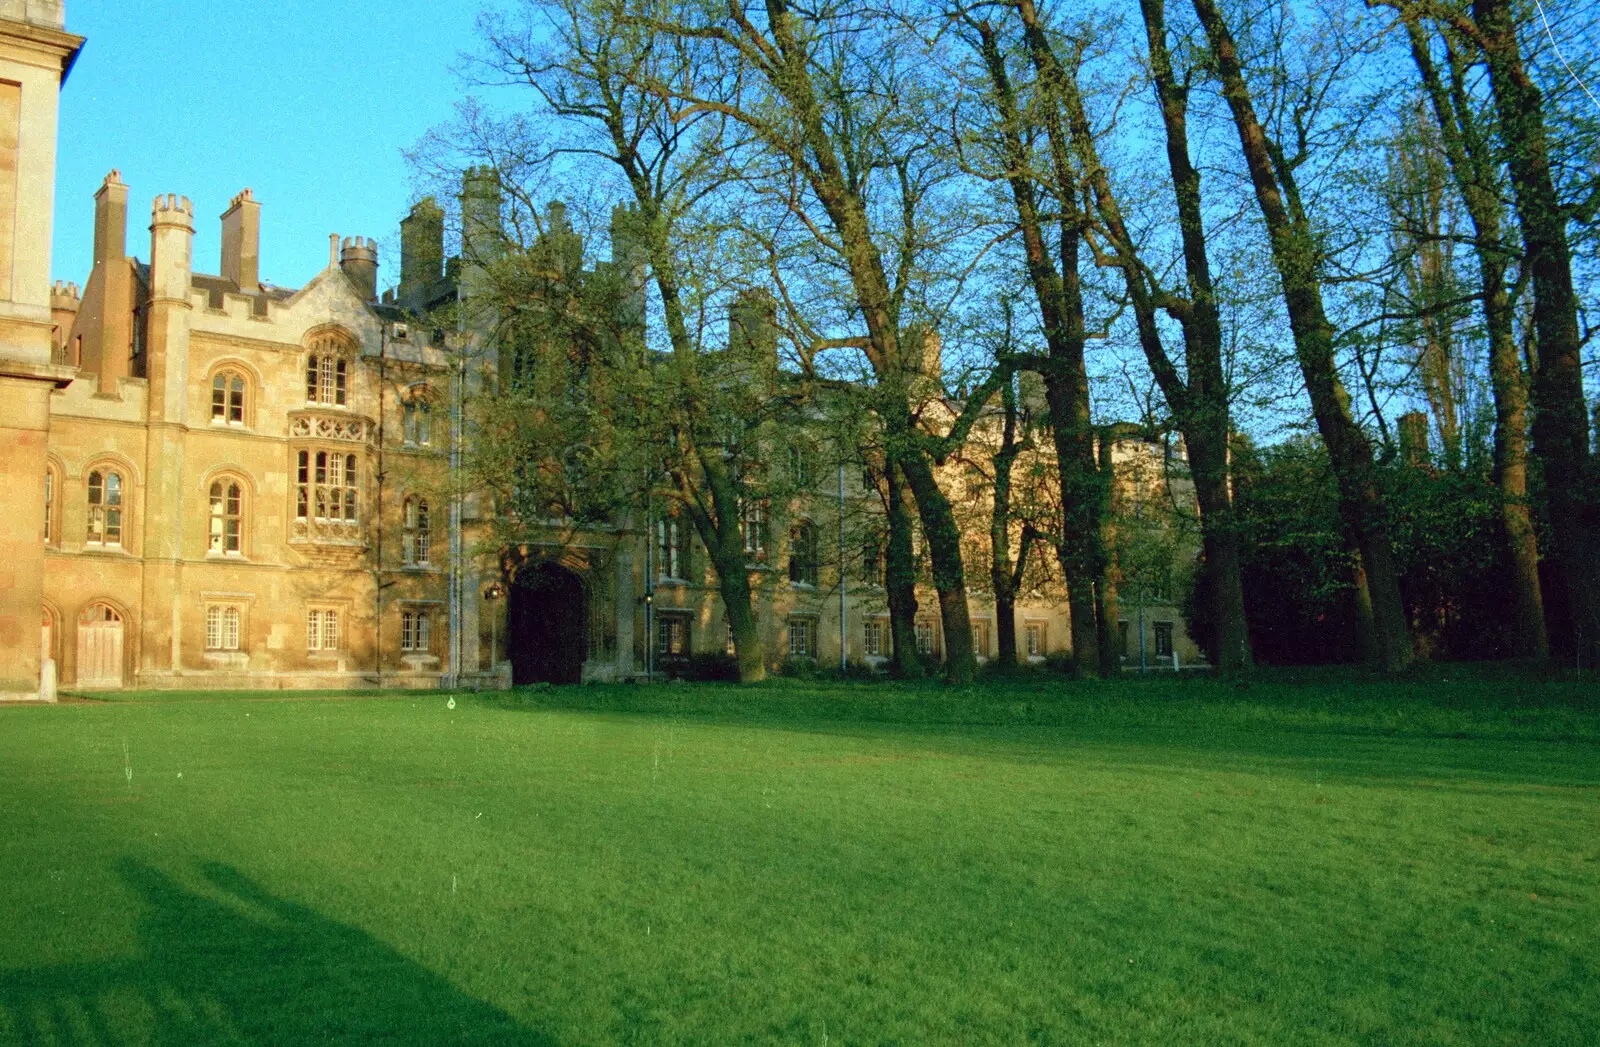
column 547, row 625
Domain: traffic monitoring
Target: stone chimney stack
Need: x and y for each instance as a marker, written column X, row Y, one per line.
column 241, row 243
column 421, row 247
column 358, row 257
column 103, row 332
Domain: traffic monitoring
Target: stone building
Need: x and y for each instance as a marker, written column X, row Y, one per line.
column 213, row 482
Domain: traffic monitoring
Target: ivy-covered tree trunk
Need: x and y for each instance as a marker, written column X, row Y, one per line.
column 1560, row 418
column 1474, row 170
column 1296, row 256
column 900, row 580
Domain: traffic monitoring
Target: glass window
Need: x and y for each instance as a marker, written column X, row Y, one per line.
column 924, row 636
column 227, row 398
column 669, row 548
column 872, row 638
column 1035, row 639
column 105, row 508
column 226, row 518
column 326, row 483
column 326, row 377
column 672, row 635
column 753, row 528
column 803, row 567
column 1163, row 639
column 801, row 471
column 415, row 631
column 322, row 630
column 980, row 639
column 802, row 637
column 417, row 541
column 417, row 421
column 49, row 502
column 222, row 628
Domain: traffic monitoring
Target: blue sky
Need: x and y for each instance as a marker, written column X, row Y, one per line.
column 307, row 102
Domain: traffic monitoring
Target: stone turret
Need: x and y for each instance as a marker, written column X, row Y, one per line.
column 421, row 247
column 171, row 272
column 630, row 257
column 358, row 257
column 65, row 300
column 241, row 243
column 481, row 232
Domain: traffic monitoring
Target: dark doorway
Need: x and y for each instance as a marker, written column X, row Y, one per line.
column 547, row 619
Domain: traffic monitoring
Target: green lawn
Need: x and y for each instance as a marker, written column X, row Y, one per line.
column 1151, row 862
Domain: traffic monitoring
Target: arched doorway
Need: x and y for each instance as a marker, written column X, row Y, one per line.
column 99, row 647
column 547, row 619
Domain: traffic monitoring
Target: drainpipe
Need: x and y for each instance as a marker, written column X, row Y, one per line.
column 377, row 511
column 457, row 641
column 842, row 647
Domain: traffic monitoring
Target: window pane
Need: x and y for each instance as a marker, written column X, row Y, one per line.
column 230, row 628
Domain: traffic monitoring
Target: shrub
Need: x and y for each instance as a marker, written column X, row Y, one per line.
column 712, row 667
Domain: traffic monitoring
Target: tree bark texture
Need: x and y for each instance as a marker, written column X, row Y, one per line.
column 1295, row 255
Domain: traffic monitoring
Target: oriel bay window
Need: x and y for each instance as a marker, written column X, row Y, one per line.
column 326, row 486
column 327, row 496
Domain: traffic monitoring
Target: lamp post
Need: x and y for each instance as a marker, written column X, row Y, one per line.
column 494, row 592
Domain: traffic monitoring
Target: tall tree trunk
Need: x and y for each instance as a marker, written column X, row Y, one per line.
column 1199, row 406
column 900, row 579
column 943, row 539
column 1560, row 418
column 1296, row 257
column 1000, row 565
column 1473, row 167
column 1058, row 288
column 1108, row 634
column 789, row 73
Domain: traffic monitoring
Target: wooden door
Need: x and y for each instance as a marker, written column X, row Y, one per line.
column 100, row 647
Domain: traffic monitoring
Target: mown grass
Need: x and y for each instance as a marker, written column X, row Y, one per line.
column 1309, row 861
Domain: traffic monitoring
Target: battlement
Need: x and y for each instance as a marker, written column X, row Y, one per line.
column 64, row 295
column 48, row 13
column 359, row 245
column 113, row 177
column 170, row 205
column 244, row 196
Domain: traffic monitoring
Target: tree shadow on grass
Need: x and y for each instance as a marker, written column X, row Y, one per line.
column 255, row 970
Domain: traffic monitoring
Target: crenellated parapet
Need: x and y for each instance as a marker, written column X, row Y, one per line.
column 172, row 209
column 65, row 295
